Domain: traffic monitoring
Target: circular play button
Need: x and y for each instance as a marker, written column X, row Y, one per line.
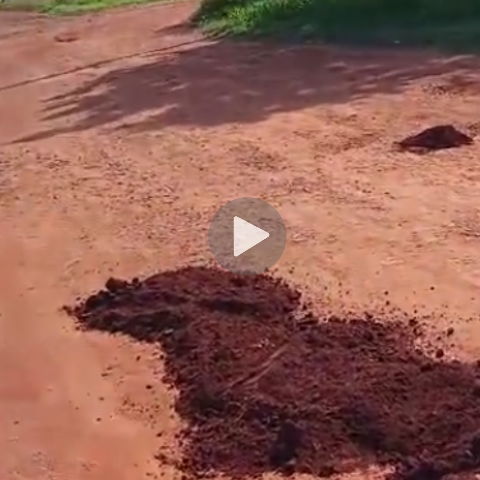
column 247, row 236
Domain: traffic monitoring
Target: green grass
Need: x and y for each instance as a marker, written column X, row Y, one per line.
column 454, row 24
column 68, row 7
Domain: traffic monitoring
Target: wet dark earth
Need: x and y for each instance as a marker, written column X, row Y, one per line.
column 264, row 385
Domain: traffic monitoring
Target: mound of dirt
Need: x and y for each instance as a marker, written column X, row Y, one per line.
column 264, row 386
column 434, row 138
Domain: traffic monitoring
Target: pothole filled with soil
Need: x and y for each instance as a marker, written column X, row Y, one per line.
column 265, row 386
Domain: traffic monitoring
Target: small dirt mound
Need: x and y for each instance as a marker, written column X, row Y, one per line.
column 435, row 138
column 263, row 387
column 66, row 37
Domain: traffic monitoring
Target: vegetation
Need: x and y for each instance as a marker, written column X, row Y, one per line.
column 66, row 7
column 451, row 23
column 440, row 23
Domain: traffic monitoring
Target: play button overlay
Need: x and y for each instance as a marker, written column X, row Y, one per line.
column 247, row 236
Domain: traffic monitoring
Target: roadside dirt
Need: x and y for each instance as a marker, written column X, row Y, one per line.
column 118, row 148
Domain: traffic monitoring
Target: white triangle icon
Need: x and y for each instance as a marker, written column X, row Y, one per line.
column 246, row 236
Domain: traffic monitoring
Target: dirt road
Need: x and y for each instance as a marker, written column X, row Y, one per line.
column 117, row 148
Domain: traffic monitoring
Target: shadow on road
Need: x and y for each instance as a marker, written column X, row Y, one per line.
column 226, row 82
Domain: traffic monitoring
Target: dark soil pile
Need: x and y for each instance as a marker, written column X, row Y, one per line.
column 435, row 138
column 263, row 387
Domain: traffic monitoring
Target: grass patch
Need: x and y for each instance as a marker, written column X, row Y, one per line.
column 68, row 7
column 441, row 23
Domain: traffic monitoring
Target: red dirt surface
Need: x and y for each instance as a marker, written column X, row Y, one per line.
column 262, row 388
column 118, row 148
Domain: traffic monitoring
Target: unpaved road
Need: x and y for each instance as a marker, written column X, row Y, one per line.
column 118, row 147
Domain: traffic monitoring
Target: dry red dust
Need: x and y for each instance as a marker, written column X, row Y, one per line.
column 265, row 386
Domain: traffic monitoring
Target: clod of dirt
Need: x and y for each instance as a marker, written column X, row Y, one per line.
column 66, row 37
column 434, row 138
column 115, row 285
column 285, row 448
column 266, row 386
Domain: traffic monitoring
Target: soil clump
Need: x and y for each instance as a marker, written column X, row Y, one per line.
column 435, row 138
column 263, row 385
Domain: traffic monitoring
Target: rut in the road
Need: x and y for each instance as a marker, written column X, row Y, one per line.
column 263, row 387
